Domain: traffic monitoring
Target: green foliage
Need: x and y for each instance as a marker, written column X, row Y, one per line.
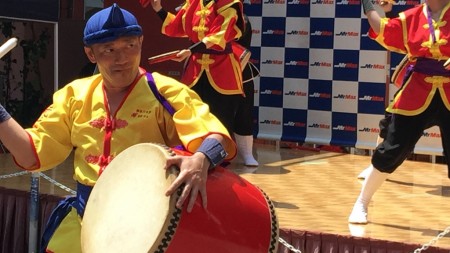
column 28, row 108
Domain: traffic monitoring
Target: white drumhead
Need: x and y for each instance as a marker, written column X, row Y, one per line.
column 127, row 208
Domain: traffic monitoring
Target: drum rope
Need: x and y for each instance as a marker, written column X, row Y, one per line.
column 51, row 180
column 287, row 245
column 418, row 250
column 433, row 241
column 14, row 174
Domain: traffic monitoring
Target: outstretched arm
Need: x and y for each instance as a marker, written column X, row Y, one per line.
column 16, row 140
column 372, row 16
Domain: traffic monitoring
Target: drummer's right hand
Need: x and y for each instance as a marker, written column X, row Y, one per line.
column 193, row 174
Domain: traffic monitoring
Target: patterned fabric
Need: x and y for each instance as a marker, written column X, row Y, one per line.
column 207, row 21
column 418, row 91
column 78, row 119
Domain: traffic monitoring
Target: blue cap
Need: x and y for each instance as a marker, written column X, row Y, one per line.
column 110, row 24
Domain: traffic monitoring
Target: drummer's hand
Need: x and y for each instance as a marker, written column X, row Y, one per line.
column 156, row 5
column 193, row 173
column 386, row 5
column 182, row 55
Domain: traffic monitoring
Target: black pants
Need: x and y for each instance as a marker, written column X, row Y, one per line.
column 223, row 106
column 403, row 132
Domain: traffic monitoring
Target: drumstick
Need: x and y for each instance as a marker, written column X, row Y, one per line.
column 447, row 63
column 163, row 57
column 8, row 46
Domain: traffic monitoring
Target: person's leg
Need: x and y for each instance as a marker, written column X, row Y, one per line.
column 222, row 106
column 397, row 145
column 383, row 125
column 363, row 174
column 373, row 181
column 245, row 149
column 243, row 128
column 443, row 121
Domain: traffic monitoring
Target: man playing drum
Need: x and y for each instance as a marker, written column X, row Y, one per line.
column 100, row 116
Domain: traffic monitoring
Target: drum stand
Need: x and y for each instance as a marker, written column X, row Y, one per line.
column 33, row 234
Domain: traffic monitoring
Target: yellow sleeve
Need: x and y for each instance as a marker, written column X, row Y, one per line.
column 50, row 134
column 193, row 120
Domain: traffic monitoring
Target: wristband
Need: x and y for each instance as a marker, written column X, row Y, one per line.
column 213, row 150
column 4, row 115
column 367, row 6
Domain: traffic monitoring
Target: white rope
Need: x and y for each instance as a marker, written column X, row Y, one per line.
column 53, row 181
column 433, row 241
column 287, row 245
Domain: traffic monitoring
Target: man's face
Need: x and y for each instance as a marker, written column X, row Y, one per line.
column 118, row 61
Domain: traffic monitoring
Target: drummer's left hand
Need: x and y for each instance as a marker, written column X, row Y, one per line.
column 182, row 55
column 193, row 173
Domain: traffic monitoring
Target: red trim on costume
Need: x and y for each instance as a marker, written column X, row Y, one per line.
column 110, row 124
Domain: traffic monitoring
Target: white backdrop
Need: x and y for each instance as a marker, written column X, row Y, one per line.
column 323, row 80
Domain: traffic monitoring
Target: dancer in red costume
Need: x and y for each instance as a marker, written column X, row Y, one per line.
column 211, row 68
column 422, row 33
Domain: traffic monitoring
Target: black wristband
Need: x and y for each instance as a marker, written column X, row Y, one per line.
column 213, row 150
column 367, row 6
column 199, row 46
column 162, row 14
column 4, row 115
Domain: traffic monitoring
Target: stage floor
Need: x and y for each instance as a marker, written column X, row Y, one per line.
column 315, row 191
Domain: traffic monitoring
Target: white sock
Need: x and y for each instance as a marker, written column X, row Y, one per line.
column 245, row 149
column 373, row 181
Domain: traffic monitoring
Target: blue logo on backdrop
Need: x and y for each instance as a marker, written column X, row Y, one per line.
column 271, row 92
column 319, row 97
column 296, row 63
column 366, row 42
column 253, row 7
column 402, row 5
column 273, row 32
column 321, row 32
column 294, row 125
column 343, row 132
column 345, row 65
column 371, row 98
column 298, row 8
column 348, row 9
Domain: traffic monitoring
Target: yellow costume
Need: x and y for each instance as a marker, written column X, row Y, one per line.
column 79, row 120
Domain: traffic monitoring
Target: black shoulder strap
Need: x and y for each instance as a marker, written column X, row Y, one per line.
column 161, row 98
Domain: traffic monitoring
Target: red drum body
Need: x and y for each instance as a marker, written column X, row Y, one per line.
column 242, row 53
column 239, row 216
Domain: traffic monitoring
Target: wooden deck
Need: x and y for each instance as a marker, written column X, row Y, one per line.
column 315, row 191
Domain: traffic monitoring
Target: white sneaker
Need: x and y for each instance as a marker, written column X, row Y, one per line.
column 249, row 161
column 359, row 214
